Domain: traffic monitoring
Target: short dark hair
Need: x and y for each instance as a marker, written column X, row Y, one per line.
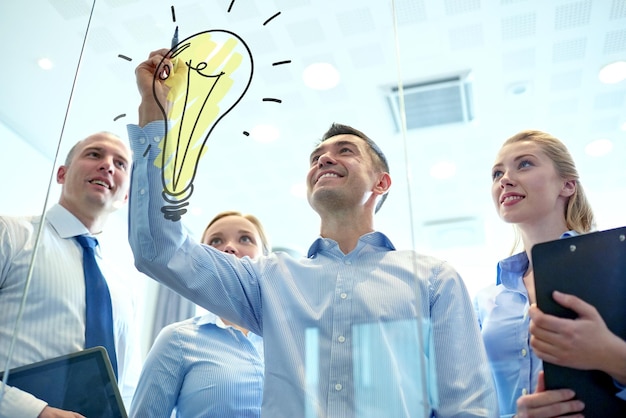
column 377, row 154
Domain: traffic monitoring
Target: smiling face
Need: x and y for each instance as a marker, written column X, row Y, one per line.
column 343, row 174
column 234, row 234
column 526, row 187
column 97, row 178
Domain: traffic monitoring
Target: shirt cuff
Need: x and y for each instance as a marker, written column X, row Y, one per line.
column 622, row 393
column 17, row 403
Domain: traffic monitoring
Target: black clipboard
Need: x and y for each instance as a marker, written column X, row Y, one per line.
column 82, row 382
column 593, row 267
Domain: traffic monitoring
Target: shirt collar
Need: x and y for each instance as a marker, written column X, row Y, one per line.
column 512, row 268
column 373, row 239
column 65, row 223
column 210, row 318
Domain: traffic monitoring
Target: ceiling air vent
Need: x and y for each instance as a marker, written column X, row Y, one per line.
column 433, row 102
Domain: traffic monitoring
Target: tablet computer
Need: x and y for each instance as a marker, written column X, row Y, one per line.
column 82, row 382
column 593, row 267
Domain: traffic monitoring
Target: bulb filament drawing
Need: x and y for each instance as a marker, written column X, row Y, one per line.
column 211, row 73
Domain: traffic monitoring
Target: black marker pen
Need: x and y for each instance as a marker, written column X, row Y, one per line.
column 175, row 38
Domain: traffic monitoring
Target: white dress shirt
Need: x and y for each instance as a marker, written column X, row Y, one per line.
column 53, row 322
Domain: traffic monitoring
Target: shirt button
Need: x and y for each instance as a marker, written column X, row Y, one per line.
column 347, row 262
column 156, row 139
column 338, row 387
column 343, row 295
column 341, row 339
column 142, row 191
column 524, row 352
column 142, row 140
column 524, row 391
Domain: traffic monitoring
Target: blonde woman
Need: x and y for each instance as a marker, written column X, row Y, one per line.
column 536, row 188
column 207, row 366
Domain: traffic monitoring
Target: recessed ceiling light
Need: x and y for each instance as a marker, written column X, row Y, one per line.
column 613, row 73
column 599, row 147
column 265, row 133
column 45, row 63
column 298, row 190
column 443, row 170
column 518, row 89
column 196, row 210
column 321, row 76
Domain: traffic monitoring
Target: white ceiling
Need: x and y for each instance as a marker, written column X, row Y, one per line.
column 552, row 48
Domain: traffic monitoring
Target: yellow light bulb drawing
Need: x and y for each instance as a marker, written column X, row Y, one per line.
column 212, row 72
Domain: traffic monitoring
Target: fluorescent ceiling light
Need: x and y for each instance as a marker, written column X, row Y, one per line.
column 613, row 73
column 45, row 63
column 599, row 147
column 321, row 76
column 196, row 210
column 265, row 133
column 443, row 170
column 299, row 190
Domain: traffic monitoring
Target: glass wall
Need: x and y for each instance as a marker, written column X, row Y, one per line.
column 438, row 85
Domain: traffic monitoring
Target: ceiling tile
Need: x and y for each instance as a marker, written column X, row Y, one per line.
column 355, row 22
column 470, row 36
column 569, row 50
column 519, row 26
column 456, row 7
column 572, row 15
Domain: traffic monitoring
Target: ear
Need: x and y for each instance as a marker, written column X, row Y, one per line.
column 383, row 184
column 61, row 174
column 569, row 188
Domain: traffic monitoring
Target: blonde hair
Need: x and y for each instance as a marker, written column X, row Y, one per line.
column 265, row 244
column 578, row 213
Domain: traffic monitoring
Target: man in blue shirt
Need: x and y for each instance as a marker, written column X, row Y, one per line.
column 356, row 329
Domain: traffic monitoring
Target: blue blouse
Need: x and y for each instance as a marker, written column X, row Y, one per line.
column 502, row 312
column 202, row 368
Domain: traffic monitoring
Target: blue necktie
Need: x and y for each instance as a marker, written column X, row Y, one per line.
column 98, row 309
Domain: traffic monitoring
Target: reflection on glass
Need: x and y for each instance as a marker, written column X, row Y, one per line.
column 389, row 362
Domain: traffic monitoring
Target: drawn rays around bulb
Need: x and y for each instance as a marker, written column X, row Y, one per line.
column 211, row 72
column 206, row 74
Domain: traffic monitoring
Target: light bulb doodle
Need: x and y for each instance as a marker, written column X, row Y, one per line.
column 211, row 73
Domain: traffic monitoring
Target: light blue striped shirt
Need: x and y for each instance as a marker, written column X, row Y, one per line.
column 376, row 332
column 53, row 322
column 203, row 369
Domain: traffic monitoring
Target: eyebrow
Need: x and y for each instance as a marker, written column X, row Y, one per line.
column 519, row 157
column 337, row 144
column 220, row 234
column 101, row 149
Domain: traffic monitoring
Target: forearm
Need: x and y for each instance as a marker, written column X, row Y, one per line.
column 149, row 113
column 153, row 239
column 162, row 248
